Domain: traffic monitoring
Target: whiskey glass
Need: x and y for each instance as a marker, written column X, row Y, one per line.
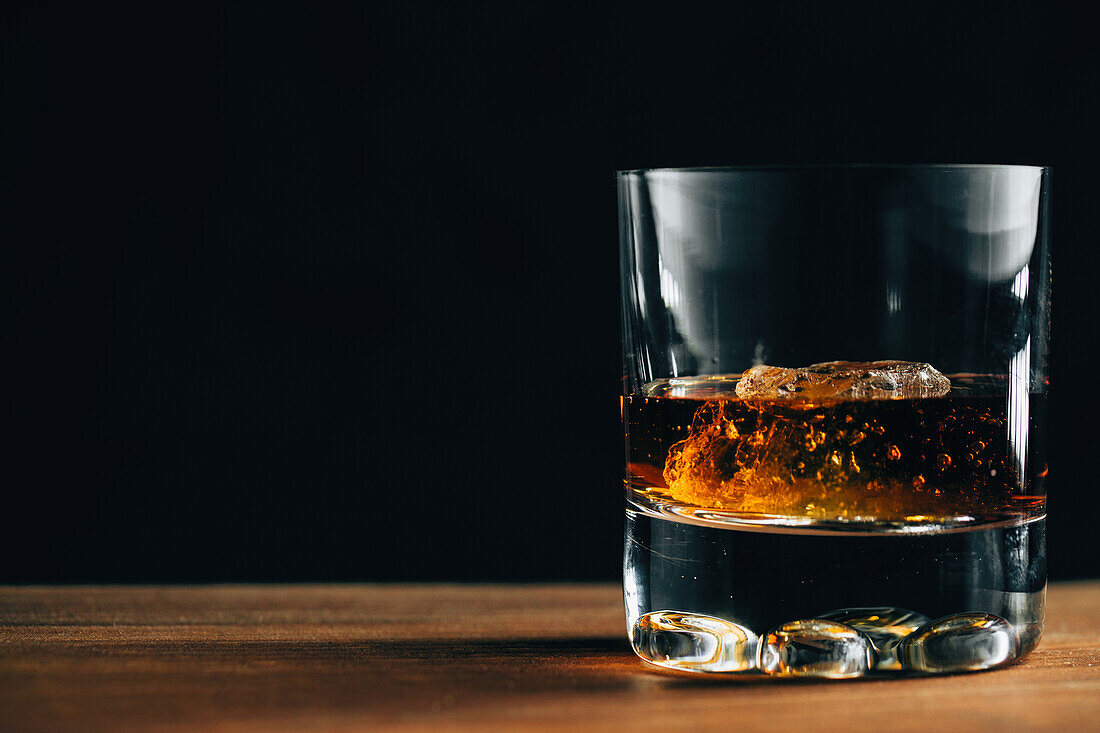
column 834, row 411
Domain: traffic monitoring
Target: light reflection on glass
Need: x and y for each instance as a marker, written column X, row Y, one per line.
column 1019, row 388
column 893, row 299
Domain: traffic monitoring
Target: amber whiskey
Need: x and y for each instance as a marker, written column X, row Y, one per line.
column 958, row 458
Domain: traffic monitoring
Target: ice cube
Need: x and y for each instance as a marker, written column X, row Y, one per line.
column 844, row 380
column 815, row 648
column 693, row 641
column 963, row 642
column 885, row 626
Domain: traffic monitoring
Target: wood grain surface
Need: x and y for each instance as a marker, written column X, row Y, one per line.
column 458, row 658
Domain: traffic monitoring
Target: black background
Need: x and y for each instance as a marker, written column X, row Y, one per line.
column 305, row 293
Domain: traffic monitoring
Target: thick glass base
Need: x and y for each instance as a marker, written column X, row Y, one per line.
column 793, row 601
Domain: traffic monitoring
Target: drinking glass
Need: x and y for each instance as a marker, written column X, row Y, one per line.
column 834, row 408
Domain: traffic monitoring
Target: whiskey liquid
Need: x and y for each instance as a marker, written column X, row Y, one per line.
column 962, row 459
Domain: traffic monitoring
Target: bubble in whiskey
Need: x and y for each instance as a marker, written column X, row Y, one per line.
column 693, row 642
column 885, row 626
column 963, row 642
column 816, row 648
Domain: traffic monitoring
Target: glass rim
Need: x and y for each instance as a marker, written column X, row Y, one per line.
column 808, row 167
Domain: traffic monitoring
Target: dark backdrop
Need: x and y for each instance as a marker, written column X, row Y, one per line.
column 300, row 293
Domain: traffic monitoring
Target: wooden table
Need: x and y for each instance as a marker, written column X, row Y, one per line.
column 457, row 658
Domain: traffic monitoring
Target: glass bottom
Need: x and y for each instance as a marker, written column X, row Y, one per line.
column 789, row 602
